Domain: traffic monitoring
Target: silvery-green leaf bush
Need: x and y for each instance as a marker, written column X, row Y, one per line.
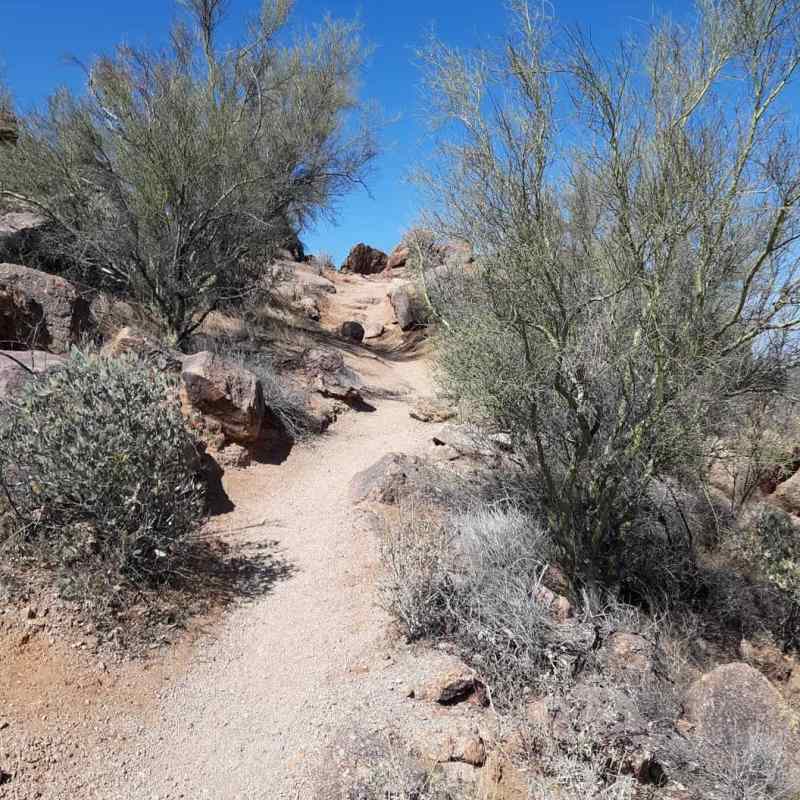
column 97, row 468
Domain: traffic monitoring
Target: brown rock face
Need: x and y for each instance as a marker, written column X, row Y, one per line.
column 735, row 701
column 8, row 128
column 229, row 397
column 365, row 260
column 398, row 257
column 16, row 367
column 40, row 310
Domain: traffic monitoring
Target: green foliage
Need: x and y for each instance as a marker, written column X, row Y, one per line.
column 630, row 288
column 178, row 174
column 97, row 465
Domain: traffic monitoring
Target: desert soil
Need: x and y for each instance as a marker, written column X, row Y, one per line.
column 273, row 700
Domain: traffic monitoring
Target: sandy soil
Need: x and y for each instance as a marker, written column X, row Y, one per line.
column 258, row 706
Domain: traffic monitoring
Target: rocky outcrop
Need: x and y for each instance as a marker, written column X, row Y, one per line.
column 40, row 310
column 398, row 258
column 365, row 260
column 223, row 402
column 18, row 367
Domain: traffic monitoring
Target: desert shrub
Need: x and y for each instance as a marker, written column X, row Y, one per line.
column 178, row 173
column 416, row 587
column 630, row 288
column 400, row 777
column 98, row 469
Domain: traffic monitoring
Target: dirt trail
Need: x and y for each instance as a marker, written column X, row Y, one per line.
column 259, row 704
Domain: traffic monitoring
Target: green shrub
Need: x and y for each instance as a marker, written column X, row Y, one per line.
column 97, row 465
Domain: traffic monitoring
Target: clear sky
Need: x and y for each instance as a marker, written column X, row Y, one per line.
column 36, row 36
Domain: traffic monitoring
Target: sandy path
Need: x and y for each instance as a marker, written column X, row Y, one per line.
column 259, row 704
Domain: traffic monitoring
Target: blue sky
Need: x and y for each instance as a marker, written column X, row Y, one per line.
column 37, row 35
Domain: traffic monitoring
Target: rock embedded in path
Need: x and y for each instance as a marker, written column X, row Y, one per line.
column 353, row 331
column 38, row 310
column 331, row 377
column 389, row 479
column 365, row 260
column 430, row 409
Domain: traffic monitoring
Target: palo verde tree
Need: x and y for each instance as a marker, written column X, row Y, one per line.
column 635, row 221
column 179, row 171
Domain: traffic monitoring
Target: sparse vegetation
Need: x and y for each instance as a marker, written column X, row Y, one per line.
column 99, row 475
column 630, row 288
column 178, row 174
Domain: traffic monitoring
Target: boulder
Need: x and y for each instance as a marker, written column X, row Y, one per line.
column 365, row 260
column 40, row 310
column 431, row 409
column 330, row 377
column 19, row 233
column 404, row 307
column 352, row 330
column 398, row 258
column 16, row 367
column 227, row 397
column 735, row 702
column 388, row 480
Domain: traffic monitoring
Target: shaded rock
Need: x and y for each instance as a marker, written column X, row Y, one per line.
column 41, row 311
column 228, row 397
column 352, row 330
column 734, row 702
column 148, row 348
column 16, row 367
column 388, row 479
column 330, row 377
column 365, row 260
column 429, row 409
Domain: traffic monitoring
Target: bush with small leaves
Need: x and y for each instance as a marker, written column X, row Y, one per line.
column 97, row 466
